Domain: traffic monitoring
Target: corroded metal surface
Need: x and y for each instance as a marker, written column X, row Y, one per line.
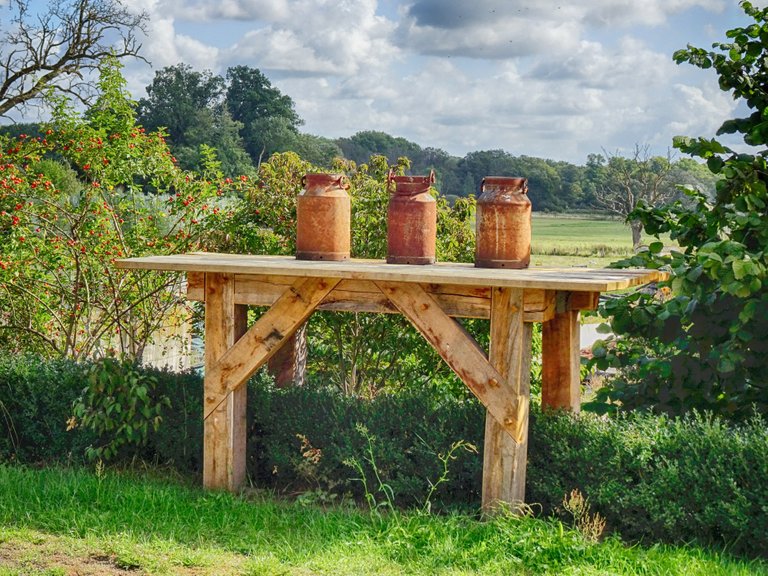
column 503, row 224
column 323, row 213
column 411, row 221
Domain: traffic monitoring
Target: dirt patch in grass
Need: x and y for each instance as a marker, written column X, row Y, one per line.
column 42, row 556
column 38, row 554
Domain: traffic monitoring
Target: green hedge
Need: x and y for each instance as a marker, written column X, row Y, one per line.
column 659, row 478
column 654, row 478
column 35, row 405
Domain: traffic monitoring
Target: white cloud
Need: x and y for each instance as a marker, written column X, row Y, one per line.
column 536, row 78
column 320, row 37
column 204, row 10
column 650, row 12
column 700, row 110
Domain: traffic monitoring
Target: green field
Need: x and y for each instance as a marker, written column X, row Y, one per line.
column 578, row 241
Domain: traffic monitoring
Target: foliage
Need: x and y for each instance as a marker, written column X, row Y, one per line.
column 651, row 477
column 190, row 106
column 119, row 405
column 405, row 451
column 692, row 478
column 384, row 490
column 89, row 191
column 34, row 411
column 705, row 345
column 267, row 116
column 56, row 47
column 316, row 150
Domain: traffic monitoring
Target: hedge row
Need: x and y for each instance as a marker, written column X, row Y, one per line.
column 652, row 477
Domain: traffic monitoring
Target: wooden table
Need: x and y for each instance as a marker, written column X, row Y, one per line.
column 429, row 296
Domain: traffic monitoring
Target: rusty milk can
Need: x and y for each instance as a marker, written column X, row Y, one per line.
column 503, row 223
column 323, row 218
column 411, row 220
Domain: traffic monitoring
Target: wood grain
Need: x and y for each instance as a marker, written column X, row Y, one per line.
column 263, row 339
column 224, row 427
column 504, row 458
column 573, row 279
column 456, row 300
column 561, row 362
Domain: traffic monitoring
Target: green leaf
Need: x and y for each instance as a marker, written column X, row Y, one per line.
column 741, row 269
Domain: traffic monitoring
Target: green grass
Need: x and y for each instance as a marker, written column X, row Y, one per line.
column 580, row 236
column 63, row 521
column 560, row 240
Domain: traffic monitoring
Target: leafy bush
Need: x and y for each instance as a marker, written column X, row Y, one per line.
column 35, row 404
column 706, row 345
column 658, row 478
column 119, row 404
column 409, row 432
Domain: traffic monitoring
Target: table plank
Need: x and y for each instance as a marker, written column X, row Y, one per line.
column 572, row 279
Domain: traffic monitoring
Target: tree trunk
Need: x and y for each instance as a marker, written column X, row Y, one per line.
column 637, row 232
column 289, row 364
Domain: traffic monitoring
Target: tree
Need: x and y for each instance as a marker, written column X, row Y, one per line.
column 705, row 345
column 546, row 189
column 628, row 182
column 362, row 145
column 269, row 121
column 190, row 106
column 177, row 97
column 56, row 48
column 315, row 149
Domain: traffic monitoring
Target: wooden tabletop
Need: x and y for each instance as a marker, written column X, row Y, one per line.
column 572, row 279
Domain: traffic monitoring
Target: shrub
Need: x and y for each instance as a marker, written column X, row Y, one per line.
column 35, row 404
column 658, row 478
column 409, row 429
column 119, row 404
column 655, row 478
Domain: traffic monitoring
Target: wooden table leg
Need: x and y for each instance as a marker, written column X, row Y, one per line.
column 561, row 361
column 225, row 428
column 504, row 459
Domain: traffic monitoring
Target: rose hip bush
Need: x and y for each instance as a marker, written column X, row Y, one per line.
column 93, row 188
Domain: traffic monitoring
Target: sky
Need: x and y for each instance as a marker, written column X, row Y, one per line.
column 549, row 78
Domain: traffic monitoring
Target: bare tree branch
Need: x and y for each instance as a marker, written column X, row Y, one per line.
column 629, row 181
column 56, row 48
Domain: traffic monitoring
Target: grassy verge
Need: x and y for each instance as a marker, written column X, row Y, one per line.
column 74, row 522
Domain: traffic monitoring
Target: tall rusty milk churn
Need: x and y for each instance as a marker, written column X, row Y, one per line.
column 411, row 220
column 323, row 213
column 503, row 224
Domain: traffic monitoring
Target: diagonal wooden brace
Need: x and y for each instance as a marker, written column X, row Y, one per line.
column 264, row 338
column 462, row 354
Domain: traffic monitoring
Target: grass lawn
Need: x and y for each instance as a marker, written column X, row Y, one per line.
column 64, row 522
column 578, row 241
